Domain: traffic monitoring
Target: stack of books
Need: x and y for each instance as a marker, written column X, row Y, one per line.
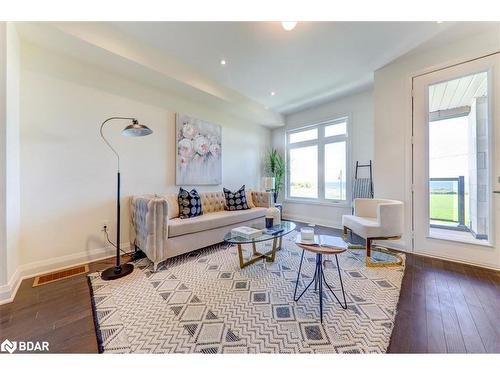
column 246, row 232
column 273, row 230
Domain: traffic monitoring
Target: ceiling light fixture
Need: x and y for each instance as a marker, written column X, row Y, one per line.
column 289, row 25
column 273, row 93
column 223, row 62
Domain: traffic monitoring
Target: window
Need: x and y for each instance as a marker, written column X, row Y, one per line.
column 306, row 135
column 335, row 171
column 317, row 162
column 304, row 172
column 336, row 129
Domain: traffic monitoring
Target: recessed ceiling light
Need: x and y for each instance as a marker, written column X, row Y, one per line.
column 439, row 21
column 273, row 93
column 223, row 62
column 289, row 25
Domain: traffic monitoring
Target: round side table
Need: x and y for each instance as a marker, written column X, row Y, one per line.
column 332, row 246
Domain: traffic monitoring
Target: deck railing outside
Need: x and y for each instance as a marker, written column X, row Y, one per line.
column 447, row 202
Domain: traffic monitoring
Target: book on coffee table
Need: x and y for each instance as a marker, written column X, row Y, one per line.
column 332, row 242
column 246, row 232
column 273, row 230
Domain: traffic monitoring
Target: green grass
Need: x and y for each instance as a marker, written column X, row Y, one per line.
column 445, row 207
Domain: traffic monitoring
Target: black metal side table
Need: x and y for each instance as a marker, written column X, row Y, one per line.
column 336, row 245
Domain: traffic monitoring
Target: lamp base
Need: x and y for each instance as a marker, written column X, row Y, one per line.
column 113, row 273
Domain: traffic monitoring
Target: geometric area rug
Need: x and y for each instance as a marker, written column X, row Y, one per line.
column 202, row 302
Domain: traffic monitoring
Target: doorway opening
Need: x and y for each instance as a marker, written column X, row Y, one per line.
column 458, row 158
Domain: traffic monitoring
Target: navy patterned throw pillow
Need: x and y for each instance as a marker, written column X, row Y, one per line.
column 189, row 203
column 236, row 200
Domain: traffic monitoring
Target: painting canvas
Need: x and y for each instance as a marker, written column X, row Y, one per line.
column 199, row 152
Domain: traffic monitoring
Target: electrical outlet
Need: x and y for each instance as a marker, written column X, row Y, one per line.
column 105, row 225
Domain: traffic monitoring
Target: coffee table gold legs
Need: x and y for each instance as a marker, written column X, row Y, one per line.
column 275, row 248
column 270, row 256
column 254, row 248
column 240, row 255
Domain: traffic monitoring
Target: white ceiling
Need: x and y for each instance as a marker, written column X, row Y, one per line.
column 315, row 62
column 102, row 45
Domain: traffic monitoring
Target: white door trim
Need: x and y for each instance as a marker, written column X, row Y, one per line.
column 493, row 100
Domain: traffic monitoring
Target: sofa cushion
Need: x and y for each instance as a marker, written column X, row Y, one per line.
column 189, row 204
column 237, row 200
column 173, row 205
column 364, row 227
column 213, row 201
column 179, row 227
column 250, row 199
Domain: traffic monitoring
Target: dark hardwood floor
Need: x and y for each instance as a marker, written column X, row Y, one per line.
column 444, row 307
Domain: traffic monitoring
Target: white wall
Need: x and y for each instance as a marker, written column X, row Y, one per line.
column 359, row 107
column 13, row 151
column 392, row 103
column 68, row 174
column 3, row 153
column 9, row 158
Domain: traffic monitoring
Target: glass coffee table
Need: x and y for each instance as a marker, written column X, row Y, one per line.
column 286, row 226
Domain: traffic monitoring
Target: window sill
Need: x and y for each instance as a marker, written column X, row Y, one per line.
column 318, row 202
column 452, row 236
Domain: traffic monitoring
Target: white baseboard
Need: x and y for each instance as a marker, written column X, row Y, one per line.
column 312, row 220
column 9, row 290
column 26, row 271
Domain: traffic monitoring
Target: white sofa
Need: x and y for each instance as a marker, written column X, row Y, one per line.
column 157, row 230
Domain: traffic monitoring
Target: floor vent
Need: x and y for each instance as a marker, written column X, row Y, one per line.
column 60, row 275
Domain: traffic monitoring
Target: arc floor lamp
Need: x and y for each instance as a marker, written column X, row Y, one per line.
column 133, row 130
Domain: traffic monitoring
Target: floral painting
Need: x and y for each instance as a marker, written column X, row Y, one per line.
column 199, row 159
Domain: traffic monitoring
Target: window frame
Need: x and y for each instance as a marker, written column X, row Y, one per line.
column 321, row 141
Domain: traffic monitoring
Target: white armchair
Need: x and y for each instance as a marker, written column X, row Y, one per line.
column 375, row 219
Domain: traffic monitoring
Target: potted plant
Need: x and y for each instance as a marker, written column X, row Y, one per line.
column 275, row 167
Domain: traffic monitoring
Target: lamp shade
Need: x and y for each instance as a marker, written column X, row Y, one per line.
column 136, row 130
column 268, row 183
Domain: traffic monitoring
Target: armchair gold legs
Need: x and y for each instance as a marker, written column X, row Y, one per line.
column 351, row 245
column 370, row 247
